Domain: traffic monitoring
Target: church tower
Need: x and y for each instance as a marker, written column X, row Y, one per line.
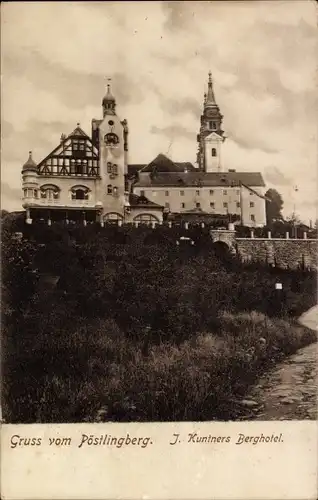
column 210, row 137
column 110, row 136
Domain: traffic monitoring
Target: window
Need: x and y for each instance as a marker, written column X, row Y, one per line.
column 225, row 205
column 212, row 125
column 182, row 205
column 238, row 205
column 36, row 193
column 198, row 205
column 109, row 189
column 113, row 217
column 79, row 168
column 213, row 152
column 253, row 217
column 181, row 193
column 25, row 193
column 197, row 192
column 212, row 204
column 50, row 192
column 79, row 193
column 142, row 193
column 112, row 168
column 146, row 218
column 166, row 193
column 251, row 204
column 225, row 192
column 211, row 192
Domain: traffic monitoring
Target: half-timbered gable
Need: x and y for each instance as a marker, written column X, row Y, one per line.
column 74, row 156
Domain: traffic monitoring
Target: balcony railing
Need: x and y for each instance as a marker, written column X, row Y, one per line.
column 50, row 202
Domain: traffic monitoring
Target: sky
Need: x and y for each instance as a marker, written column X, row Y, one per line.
column 56, row 58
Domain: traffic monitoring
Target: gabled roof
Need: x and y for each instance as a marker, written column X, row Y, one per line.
column 78, row 132
column 198, row 178
column 64, row 149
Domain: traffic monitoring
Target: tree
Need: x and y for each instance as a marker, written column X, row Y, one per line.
column 274, row 206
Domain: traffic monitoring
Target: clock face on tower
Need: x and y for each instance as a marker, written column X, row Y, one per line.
column 209, row 113
column 111, row 139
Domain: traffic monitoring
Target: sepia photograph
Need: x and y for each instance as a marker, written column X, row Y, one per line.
column 158, row 213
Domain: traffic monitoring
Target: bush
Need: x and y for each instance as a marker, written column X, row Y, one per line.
column 94, row 373
column 121, row 334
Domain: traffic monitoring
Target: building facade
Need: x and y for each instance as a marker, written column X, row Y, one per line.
column 89, row 179
column 85, row 179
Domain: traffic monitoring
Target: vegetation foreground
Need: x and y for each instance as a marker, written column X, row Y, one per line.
column 139, row 330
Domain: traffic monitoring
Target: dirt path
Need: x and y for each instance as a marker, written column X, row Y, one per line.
column 289, row 391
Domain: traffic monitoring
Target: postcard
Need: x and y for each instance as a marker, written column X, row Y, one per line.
column 159, row 250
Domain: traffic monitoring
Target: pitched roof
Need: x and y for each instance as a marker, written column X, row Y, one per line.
column 163, row 164
column 142, row 202
column 198, row 178
column 78, row 132
column 134, row 168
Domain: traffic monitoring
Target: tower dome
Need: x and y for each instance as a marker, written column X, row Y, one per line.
column 109, row 102
column 30, row 164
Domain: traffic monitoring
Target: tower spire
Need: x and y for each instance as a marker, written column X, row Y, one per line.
column 210, row 100
column 109, row 101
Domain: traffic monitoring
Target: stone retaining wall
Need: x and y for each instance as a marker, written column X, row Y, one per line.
column 283, row 253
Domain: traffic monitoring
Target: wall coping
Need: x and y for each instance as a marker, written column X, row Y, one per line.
column 223, row 231
column 278, row 239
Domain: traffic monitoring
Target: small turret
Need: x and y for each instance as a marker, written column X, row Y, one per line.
column 109, row 102
column 30, row 165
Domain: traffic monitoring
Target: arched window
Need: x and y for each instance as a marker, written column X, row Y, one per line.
column 146, row 218
column 50, row 192
column 213, row 152
column 113, row 217
column 79, row 193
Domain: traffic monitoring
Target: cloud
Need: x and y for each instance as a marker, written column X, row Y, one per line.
column 56, row 58
column 276, row 177
column 173, row 132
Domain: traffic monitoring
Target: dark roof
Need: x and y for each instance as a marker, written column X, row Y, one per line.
column 142, row 202
column 163, row 164
column 185, row 165
column 133, row 169
column 198, row 178
column 30, row 164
